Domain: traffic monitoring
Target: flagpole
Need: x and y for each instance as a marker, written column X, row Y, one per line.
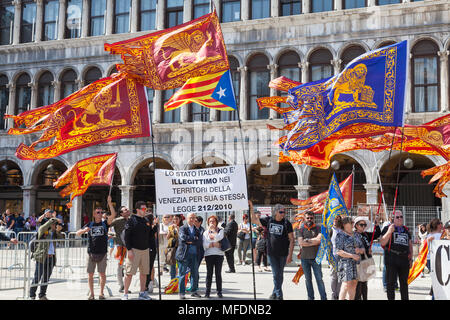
column 249, row 213
column 155, row 213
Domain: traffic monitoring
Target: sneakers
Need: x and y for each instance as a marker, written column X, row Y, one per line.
column 230, row 271
column 219, row 294
column 43, row 298
column 144, row 296
column 196, row 295
column 150, row 287
column 182, row 296
column 125, row 297
column 273, row 296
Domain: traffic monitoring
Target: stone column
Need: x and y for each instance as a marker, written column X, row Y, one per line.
column 75, row 214
column 56, row 91
column 306, row 6
column 109, row 17
column 214, row 114
column 338, row 5
column 187, row 11
column 243, row 111
column 408, row 104
column 11, row 104
column 218, row 8
column 371, row 3
column 336, row 63
column 34, row 95
column 61, row 19
column 39, row 20
column 305, row 71
column 157, row 105
column 127, row 196
column 273, row 92
column 274, row 8
column 372, row 193
column 80, row 83
column 445, row 214
column 444, row 80
column 406, row 1
column 160, row 19
column 302, row 191
column 29, row 200
column 85, row 21
column 17, row 18
column 184, row 113
column 134, row 15
column 245, row 10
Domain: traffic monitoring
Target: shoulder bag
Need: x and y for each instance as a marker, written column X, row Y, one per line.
column 366, row 269
column 225, row 244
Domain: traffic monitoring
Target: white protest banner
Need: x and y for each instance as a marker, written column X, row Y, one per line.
column 201, row 190
column 440, row 269
column 265, row 211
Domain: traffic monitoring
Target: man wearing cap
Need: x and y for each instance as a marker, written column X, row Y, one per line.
column 280, row 244
column 45, row 256
column 397, row 244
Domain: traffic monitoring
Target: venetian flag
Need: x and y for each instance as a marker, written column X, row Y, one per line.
column 97, row 170
column 212, row 91
column 419, row 264
column 334, row 206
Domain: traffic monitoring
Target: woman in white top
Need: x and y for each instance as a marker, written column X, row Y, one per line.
column 243, row 244
column 435, row 233
column 213, row 255
column 163, row 230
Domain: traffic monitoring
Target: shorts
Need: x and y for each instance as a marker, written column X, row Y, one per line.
column 141, row 260
column 101, row 266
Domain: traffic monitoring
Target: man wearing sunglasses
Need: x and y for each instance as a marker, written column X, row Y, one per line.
column 309, row 240
column 397, row 244
column 97, row 231
column 280, row 244
column 119, row 226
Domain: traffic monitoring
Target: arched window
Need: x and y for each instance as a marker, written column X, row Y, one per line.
column 28, row 21
column 290, row 7
column 260, row 9
column 122, row 10
column 98, row 13
column 68, row 83
column 351, row 53
column 6, row 23
column 231, row 11
column 147, row 16
column 385, row 44
column 174, row 13
column 51, row 9
column 425, row 77
column 113, row 70
column 320, row 65
column 352, row 4
column 45, row 89
column 288, row 66
column 4, row 98
column 321, row 5
column 172, row 116
column 73, row 19
column 236, row 79
column 23, row 93
column 258, row 78
column 93, row 74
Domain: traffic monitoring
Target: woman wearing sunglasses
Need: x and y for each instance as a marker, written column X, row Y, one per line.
column 365, row 239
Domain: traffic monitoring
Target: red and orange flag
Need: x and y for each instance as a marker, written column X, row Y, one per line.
column 168, row 58
column 97, row 170
column 111, row 108
column 419, row 263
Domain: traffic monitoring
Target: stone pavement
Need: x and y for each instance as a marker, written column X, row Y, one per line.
column 236, row 286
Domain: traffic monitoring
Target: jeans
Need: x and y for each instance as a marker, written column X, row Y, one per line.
column 277, row 263
column 307, row 264
column 173, row 271
column 42, row 274
column 335, row 285
column 214, row 264
column 243, row 245
column 190, row 262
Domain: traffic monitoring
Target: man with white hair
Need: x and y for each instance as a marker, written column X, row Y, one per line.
column 188, row 252
column 280, row 244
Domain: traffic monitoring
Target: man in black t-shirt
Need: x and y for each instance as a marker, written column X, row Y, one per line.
column 97, row 248
column 280, row 244
column 397, row 244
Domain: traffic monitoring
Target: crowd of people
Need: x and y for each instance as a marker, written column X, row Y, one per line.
column 183, row 243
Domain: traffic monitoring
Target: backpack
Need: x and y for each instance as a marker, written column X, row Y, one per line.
column 33, row 243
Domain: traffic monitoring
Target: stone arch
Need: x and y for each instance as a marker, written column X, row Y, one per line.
column 258, row 52
column 322, row 46
column 237, row 57
column 18, row 164
column 208, row 155
column 65, row 69
column 137, row 164
column 89, row 67
column 19, row 73
column 381, row 42
column 110, row 69
column 351, row 44
column 38, row 75
column 431, row 38
column 38, row 166
column 284, row 50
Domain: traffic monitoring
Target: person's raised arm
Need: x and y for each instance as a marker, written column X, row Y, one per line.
column 387, row 236
column 113, row 214
column 253, row 216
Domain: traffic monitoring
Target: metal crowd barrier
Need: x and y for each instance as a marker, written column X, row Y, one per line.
column 26, row 236
column 13, row 265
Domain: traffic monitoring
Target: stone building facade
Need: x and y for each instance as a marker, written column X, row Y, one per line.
column 49, row 49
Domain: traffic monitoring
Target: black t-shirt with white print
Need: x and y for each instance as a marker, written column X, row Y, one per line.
column 399, row 243
column 97, row 237
column 277, row 236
